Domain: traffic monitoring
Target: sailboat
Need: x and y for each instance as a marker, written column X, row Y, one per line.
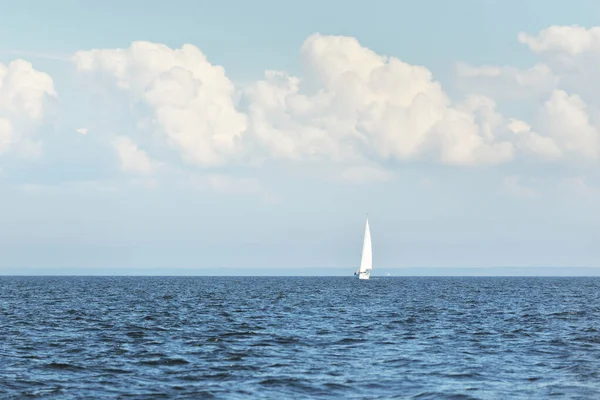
column 366, row 262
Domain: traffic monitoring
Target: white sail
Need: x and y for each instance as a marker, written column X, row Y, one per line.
column 366, row 262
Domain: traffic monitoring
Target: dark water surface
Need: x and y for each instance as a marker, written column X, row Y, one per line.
column 290, row 338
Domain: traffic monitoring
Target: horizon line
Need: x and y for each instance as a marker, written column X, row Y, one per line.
column 555, row 271
column 294, row 276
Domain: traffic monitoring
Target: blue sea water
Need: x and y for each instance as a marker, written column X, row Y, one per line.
column 299, row 337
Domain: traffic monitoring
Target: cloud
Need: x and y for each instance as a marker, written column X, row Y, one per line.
column 469, row 134
column 354, row 111
column 227, row 184
column 565, row 118
column 24, row 94
column 573, row 54
column 532, row 143
column 353, row 106
column 231, row 185
column 562, row 90
column 190, row 100
column 364, row 174
column 356, row 105
column 507, row 82
column 571, row 40
column 132, row 158
column 512, row 186
column 82, row 131
column 6, row 134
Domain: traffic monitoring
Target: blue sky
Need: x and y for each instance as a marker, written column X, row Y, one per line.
column 469, row 131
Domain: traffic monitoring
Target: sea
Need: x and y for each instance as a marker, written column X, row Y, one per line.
column 299, row 337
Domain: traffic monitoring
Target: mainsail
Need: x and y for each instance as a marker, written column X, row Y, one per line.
column 366, row 262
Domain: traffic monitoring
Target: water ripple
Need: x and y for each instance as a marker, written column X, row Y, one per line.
column 422, row 338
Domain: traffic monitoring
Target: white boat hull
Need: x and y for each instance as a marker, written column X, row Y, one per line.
column 363, row 275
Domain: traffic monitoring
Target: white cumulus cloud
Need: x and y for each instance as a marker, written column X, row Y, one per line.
column 572, row 40
column 573, row 54
column 507, row 82
column 565, row 118
column 532, row 143
column 191, row 100
column 351, row 107
column 132, row 158
column 562, row 88
column 355, row 104
column 24, row 93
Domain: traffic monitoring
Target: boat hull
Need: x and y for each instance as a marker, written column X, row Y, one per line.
column 363, row 275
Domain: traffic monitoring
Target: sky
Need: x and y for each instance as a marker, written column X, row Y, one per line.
column 234, row 137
